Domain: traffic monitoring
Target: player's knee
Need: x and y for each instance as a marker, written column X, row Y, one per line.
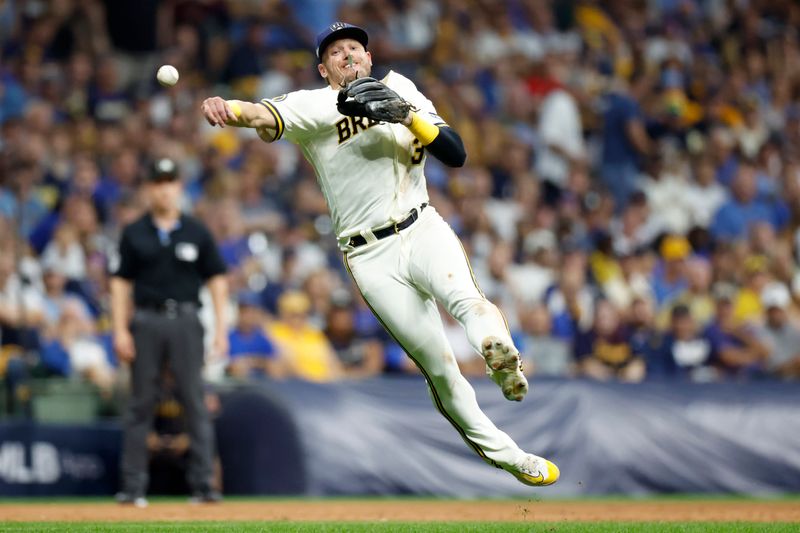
column 485, row 308
column 444, row 376
column 473, row 308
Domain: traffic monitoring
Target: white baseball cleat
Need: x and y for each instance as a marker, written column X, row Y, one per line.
column 535, row 471
column 504, row 366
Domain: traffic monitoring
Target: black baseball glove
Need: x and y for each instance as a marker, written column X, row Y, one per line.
column 367, row 97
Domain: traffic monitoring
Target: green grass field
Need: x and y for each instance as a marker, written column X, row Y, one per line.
column 680, row 513
column 395, row 527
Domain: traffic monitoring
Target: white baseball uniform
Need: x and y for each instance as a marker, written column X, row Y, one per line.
column 371, row 174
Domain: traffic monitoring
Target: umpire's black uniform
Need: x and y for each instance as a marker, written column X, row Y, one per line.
column 167, row 270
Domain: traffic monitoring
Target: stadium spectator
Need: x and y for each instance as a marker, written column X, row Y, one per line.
column 627, row 278
column 669, row 276
column 633, row 229
column 561, row 143
column 604, row 353
column 625, row 139
column 321, row 287
column 531, row 278
column 74, row 349
column 641, row 328
column 705, row 194
column 56, row 299
column 65, row 253
column 747, row 306
column 361, row 357
column 685, row 352
column 543, row 354
column 735, row 217
column 697, row 297
column 780, row 334
column 737, row 353
column 570, row 302
column 21, row 304
column 308, row 354
column 252, row 355
column 494, row 275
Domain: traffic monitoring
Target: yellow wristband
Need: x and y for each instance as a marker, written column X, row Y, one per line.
column 236, row 108
column 423, row 130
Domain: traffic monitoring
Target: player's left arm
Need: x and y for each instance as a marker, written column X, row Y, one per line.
column 395, row 97
column 442, row 141
column 429, row 128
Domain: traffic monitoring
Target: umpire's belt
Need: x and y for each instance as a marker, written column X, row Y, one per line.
column 358, row 240
column 171, row 307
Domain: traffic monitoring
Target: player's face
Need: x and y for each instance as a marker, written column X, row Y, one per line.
column 343, row 61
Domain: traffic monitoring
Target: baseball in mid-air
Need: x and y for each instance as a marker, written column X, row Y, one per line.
column 167, row 75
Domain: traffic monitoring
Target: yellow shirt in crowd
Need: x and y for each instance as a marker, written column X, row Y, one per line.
column 747, row 307
column 307, row 351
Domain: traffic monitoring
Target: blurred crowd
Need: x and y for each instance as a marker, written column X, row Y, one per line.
column 631, row 198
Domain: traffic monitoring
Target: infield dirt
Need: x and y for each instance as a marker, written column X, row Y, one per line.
column 399, row 510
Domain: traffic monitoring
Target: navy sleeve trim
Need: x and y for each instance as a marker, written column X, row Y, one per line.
column 448, row 148
column 277, row 116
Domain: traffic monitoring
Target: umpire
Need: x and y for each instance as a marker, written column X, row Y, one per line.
column 165, row 257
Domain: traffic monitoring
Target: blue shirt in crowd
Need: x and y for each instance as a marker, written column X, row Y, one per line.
column 617, row 147
column 253, row 344
column 734, row 219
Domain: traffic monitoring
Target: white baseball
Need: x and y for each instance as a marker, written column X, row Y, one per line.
column 167, row 75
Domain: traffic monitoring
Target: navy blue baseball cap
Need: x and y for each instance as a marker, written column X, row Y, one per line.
column 340, row 30
column 249, row 299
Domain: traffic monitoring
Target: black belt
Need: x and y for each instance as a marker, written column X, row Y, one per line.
column 170, row 307
column 358, row 240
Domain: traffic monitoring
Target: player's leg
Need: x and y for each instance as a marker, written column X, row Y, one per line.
column 440, row 266
column 412, row 318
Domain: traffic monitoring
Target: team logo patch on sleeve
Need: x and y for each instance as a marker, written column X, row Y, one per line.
column 437, row 120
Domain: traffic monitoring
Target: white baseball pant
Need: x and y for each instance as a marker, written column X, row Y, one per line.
column 401, row 277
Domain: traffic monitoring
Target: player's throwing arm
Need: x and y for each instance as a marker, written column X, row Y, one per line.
column 220, row 112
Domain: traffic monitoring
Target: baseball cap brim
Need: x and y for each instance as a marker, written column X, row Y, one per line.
column 348, row 31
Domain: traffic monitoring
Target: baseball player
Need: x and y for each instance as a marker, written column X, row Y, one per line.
column 367, row 141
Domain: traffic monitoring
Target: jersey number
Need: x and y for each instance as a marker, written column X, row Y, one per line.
column 419, row 151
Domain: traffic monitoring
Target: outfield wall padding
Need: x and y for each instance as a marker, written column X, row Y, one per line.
column 384, row 437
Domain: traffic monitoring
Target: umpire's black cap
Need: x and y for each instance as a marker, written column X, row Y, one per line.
column 340, row 30
column 163, row 169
